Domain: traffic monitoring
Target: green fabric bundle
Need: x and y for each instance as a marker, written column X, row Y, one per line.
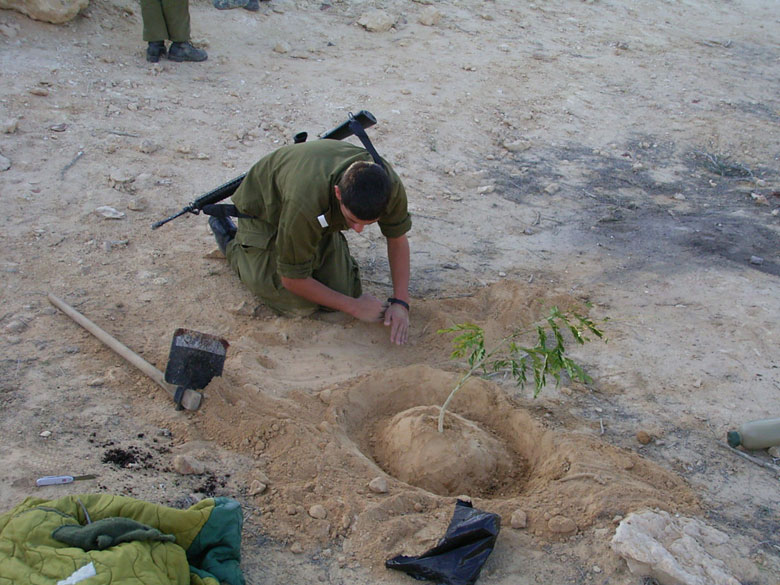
column 127, row 542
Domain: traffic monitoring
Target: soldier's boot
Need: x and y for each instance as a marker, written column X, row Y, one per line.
column 184, row 51
column 229, row 4
column 155, row 50
column 224, row 231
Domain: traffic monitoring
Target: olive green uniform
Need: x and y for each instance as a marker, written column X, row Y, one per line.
column 166, row 20
column 296, row 224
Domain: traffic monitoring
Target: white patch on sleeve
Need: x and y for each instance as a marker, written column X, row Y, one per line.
column 322, row 220
column 84, row 572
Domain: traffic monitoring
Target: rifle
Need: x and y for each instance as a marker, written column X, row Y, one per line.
column 345, row 129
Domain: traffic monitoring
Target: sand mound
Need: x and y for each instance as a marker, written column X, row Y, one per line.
column 462, row 459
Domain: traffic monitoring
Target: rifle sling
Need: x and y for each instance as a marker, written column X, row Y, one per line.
column 224, row 210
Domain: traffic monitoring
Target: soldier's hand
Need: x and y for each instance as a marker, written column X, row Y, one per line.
column 368, row 308
column 397, row 318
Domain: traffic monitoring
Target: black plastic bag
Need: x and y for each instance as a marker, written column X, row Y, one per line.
column 458, row 557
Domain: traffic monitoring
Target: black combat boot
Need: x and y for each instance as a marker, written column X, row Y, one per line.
column 184, row 51
column 224, row 231
column 155, row 50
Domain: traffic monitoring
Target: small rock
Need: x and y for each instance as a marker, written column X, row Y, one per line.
column 13, row 340
column 376, row 21
column 58, row 127
column 643, row 437
column 430, row 16
column 318, row 511
column 757, row 260
column 596, row 569
column 109, row 212
column 41, row 91
column 292, row 510
column 637, row 166
column 45, row 434
column 96, row 382
column 148, row 147
column 486, row 189
column 562, row 525
column 15, row 326
column 378, row 485
column 502, row 274
column 517, row 145
column 774, row 451
column 137, row 204
column 552, row 188
column 5, row 163
column 679, row 197
column 186, row 465
column 325, row 396
column 282, row 47
column 759, row 198
column 296, row 548
column 257, row 487
column 9, row 126
column 519, row 519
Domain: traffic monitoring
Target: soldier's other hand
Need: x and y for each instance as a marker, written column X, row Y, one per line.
column 397, row 318
column 368, row 308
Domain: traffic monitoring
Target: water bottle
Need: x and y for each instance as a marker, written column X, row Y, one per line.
column 756, row 434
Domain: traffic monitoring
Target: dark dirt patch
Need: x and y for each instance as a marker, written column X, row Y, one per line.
column 125, row 458
column 651, row 203
column 211, row 485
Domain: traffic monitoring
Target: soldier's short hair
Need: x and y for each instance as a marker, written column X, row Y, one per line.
column 365, row 190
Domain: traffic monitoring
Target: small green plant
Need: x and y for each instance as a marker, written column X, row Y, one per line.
column 543, row 359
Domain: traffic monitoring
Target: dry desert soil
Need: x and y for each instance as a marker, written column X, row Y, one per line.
column 615, row 157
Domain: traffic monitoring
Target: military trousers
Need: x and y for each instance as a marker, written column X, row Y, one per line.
column 166, row 20
column 334, row 267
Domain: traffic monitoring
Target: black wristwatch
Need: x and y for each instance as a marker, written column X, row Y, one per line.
column 395, row 301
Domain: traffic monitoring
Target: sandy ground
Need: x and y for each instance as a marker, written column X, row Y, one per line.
column 618, row 154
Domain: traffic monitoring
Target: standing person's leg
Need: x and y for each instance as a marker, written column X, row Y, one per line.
column 153, row 17
column 177, row 16
column 155, row 29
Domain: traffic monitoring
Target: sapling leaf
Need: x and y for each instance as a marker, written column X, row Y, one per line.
column 541, row 359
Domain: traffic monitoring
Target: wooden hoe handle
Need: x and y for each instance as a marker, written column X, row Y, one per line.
column 191, row 398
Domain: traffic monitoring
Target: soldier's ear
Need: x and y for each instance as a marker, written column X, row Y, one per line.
column 337, row 191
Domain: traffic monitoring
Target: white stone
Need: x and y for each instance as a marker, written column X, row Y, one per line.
column 109, row 212
column 376, row 21
column 5, row 163
column 54, row 11
column 519, row 519
column 430, row 16
column 378, row 485
column 318, row 511
column 673, row 550
column 9, row 126
column 186, row 465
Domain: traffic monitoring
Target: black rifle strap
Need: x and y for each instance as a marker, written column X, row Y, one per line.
column 223, row 210
column 357, row 130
